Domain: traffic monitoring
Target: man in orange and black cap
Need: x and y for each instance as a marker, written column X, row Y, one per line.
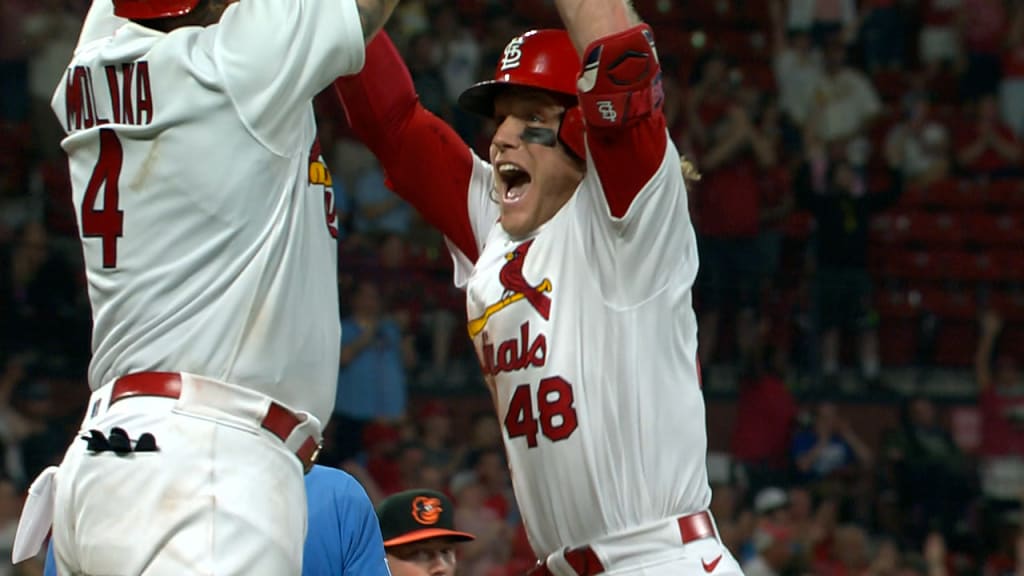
column 419, row 533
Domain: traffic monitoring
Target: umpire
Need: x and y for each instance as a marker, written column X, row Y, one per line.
column 419, row 533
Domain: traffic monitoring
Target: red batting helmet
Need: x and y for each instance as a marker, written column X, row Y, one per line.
column 152, row 9
column 542, row 59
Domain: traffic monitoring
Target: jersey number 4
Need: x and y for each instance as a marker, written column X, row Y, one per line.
column 106, row 223
column 556, row 412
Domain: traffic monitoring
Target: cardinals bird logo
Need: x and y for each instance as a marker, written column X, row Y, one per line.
column 516, row 289
column 426, row 510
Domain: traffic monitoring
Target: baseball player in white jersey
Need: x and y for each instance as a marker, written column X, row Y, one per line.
column 576, row 251
column 208, row 230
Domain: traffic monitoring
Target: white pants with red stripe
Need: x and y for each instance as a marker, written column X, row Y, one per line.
column 221, row 496
column 655, row 550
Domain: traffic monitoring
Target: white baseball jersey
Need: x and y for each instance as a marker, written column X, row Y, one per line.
column 208, row 233
column 588, row 341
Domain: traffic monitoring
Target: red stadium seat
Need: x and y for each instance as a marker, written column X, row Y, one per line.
column 1009, row 264
column 954, row 194
column 889, row 228
column 897, row 342
column 896, row 305
column 799, row 225
column 891, row 85
column 933, row 230
column 994, row 230
column 981, row 266
column 913, row 265
column 1007, row 193
column 1009, row 304
column 1011, row 342
column 955, row 344
column 948, row 304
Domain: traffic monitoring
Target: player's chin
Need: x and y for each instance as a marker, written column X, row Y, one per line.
column 515, row 221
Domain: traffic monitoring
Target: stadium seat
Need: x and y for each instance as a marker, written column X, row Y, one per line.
column 895, row 304
column 932, row 230
column 1008, row 264
column 1007, row 194
column 913, row 265
column 1009, row 304
column 890, row 84
column 948, row 304
column 953, row 194
column 898, row 342
column 985, row 229
column 954, row 345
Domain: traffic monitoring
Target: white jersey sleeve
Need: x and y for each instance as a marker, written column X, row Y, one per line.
column 274, row 54
column 637, row 255
column 99, row 23
column 483, row 213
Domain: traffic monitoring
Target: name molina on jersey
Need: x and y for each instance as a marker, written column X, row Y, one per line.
column 521, row 351
column 128, row 96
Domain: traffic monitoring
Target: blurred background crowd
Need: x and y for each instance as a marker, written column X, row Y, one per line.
column 860, row 220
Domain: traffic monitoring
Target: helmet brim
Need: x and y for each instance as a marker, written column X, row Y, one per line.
column 479, row 98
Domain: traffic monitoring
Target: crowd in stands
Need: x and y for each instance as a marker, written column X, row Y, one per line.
column 860, row 209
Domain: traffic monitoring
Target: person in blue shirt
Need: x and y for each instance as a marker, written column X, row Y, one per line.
column 372, row 372
column 343, row 537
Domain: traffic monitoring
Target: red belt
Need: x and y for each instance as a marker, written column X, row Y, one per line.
column 585, row 562
column 279, row 420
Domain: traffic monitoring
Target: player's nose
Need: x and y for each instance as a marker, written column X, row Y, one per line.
column 508, row 134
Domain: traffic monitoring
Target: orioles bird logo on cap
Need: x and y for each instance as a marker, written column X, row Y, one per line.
column 426, row 510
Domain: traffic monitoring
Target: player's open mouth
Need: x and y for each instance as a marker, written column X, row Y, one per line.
column 515, row 182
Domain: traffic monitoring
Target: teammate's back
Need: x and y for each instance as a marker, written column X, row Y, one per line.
column 208, row 230
column 208, row 247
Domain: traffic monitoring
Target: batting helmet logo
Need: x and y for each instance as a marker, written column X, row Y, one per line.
column 512, row 55
column 426, row 510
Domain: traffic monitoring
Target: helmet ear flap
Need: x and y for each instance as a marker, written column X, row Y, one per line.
column 571, row 132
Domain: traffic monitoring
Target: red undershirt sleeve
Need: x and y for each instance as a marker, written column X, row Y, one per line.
column 425, row 161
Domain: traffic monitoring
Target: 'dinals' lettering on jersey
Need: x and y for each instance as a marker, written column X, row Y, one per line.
column 515, row 353
column 125, row 90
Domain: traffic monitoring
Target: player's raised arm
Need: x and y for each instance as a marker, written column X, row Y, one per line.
column 100, row 22
column 620, row 95
column 425, row 160
column 373, row 14
column 590, row 20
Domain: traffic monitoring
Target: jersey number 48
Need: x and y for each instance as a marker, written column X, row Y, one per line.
column 556, row 412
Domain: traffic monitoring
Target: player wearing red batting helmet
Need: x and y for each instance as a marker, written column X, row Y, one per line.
column 573, row 242
column 541, row 59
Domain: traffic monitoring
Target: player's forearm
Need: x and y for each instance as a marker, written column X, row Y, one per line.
column 764, row 150
column 385, row 114
column 373, row 14
column 591, row 20
column 982, row 362
column 1008, row 149
column 723, row 152
column 864, row 454
column 972, row 152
